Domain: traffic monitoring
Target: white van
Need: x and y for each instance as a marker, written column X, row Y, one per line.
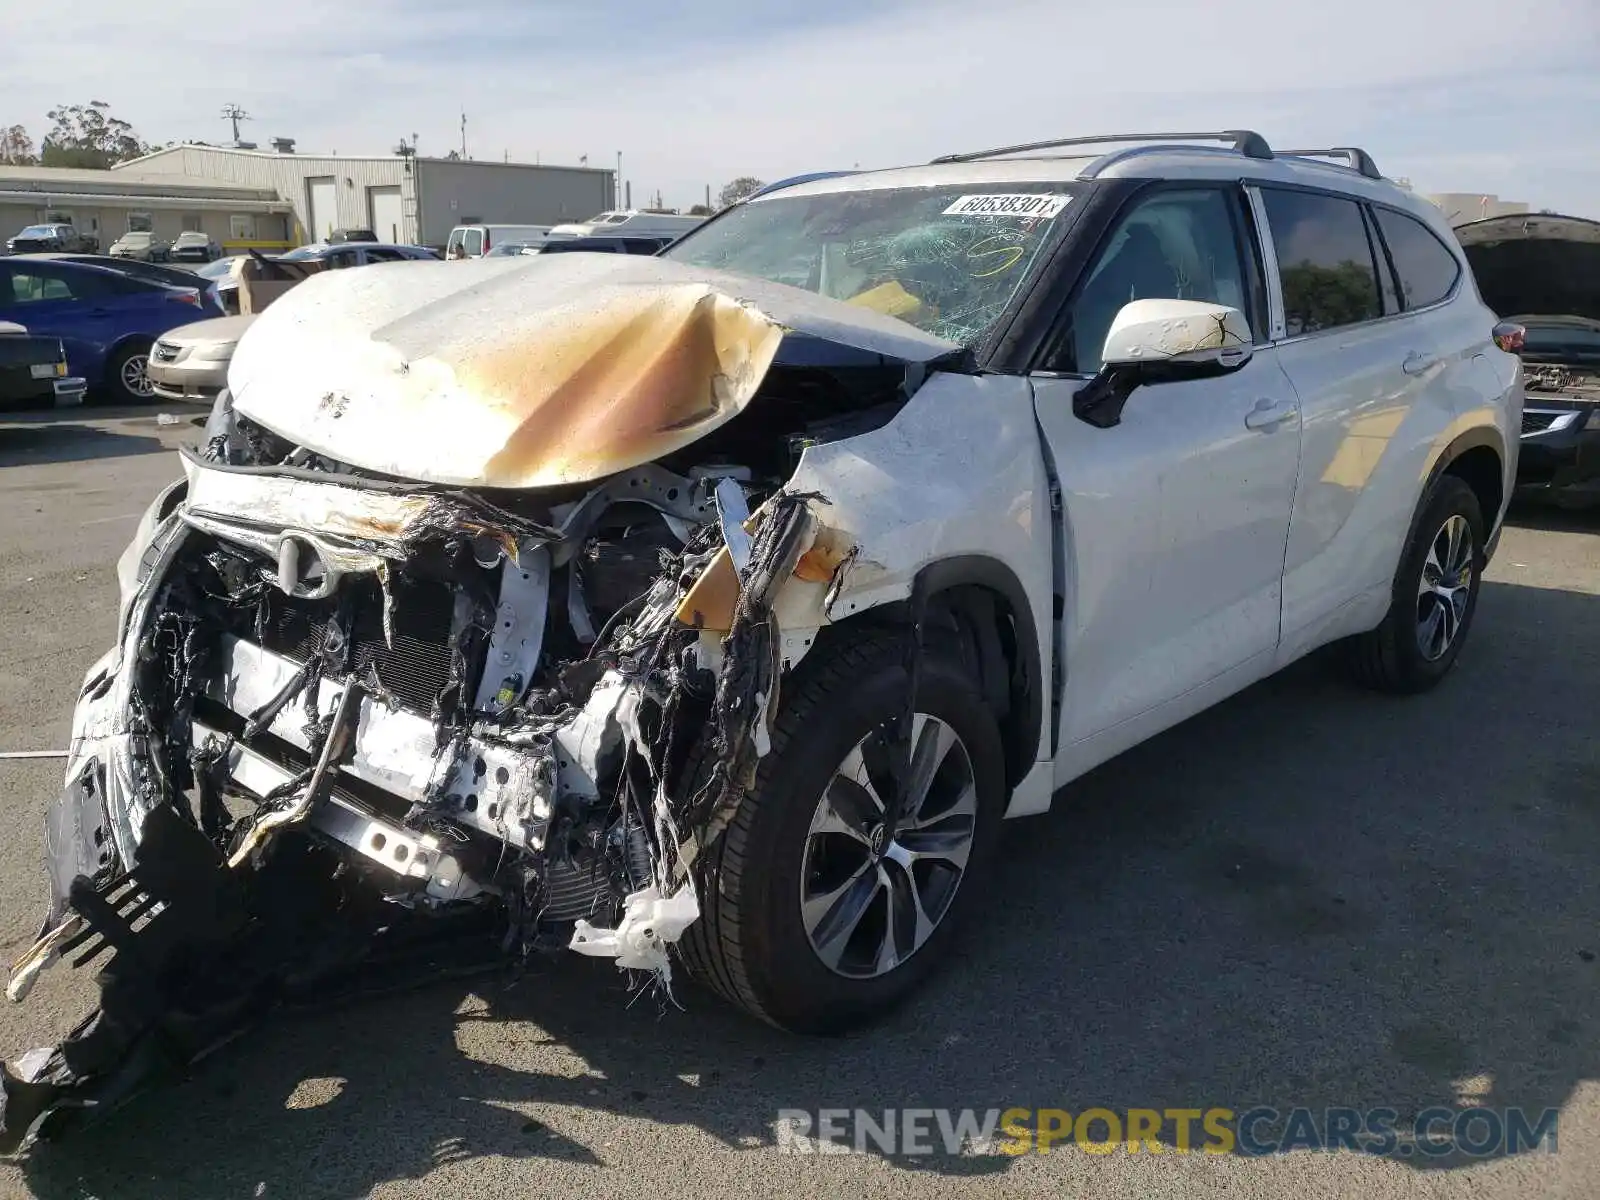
column 628, row 221
column 474, row 241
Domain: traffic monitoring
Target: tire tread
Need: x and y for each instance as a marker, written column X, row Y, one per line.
column 713, row 948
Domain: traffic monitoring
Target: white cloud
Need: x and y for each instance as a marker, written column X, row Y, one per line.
column 1449, row 92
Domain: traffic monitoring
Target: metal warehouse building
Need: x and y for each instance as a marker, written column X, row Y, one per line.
column 111, row 203
column 402, row 199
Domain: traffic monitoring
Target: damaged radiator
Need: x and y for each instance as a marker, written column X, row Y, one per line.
column 412, row 660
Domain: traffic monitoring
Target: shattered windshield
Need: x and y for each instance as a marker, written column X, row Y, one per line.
column 945, row 259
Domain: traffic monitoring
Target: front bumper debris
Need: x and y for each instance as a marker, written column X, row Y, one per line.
column 347, row 722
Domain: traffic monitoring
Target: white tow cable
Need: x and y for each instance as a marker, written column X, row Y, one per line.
column 33, row 754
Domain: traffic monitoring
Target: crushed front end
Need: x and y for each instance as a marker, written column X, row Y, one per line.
column 358, row 722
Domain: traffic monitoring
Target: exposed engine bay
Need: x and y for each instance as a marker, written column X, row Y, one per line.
column 355, row 719
column 1572, row 382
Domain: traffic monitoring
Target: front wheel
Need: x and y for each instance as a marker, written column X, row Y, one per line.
column 824, row 903
column 1435, row 596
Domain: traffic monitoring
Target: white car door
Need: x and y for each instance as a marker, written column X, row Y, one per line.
column 1175, row 519
column 1380, row 372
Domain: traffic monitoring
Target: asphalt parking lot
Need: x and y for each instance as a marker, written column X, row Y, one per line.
column 1305, row 897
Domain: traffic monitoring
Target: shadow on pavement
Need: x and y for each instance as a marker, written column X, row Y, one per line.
column 1307, row 897
column 79, row 433
column 26, row 445
column 1554, row 518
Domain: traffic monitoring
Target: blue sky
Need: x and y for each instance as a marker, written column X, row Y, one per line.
column 1457, row 95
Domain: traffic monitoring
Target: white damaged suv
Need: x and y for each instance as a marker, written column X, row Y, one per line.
column 712, row 610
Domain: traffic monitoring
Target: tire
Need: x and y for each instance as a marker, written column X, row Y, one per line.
column 129, row 359
column 1393, row 657
column 751, row 944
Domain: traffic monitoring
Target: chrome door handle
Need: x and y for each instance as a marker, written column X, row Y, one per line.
column 1268, row 414
column 1417, row 363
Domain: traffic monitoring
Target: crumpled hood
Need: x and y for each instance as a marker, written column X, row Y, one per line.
column 528, row 371
column 1535, row 264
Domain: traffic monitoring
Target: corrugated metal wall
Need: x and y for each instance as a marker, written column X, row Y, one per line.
column 287, row 174
column 514, row 193
column 454, row 193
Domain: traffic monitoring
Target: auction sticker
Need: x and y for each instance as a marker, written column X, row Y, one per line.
column 1009, row 204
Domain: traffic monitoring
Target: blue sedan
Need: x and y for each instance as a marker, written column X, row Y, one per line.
column 106, row 318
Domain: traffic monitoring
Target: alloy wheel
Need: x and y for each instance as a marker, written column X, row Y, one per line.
column 135, row 376
column 874, row 885
column 1445, row 588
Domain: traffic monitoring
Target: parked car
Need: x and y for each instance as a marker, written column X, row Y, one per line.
column 337, row 256
column 1542, row 274
column 145, row 247
column 600, row 244
column 474, row 241
column 333, row 257
column 191, row 362
column 512, row 249
column 710, row 610
column 195, row 247
column 136, row 268
column 629, row 221
column 33, row 371
column 54, row 236
column 106, row 318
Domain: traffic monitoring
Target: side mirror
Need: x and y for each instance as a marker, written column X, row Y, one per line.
column 1159, row 341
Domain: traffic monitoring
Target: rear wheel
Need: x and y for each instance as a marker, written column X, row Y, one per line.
column 820, row 906
column 1435, row 596
column 128, row 374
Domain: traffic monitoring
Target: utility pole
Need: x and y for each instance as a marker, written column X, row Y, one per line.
column 232, row 112
column 616, row 184
column 463, row 133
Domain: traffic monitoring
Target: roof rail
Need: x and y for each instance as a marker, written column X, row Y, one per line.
column 1357, row 158
column 1245, row 141
column 795, row 181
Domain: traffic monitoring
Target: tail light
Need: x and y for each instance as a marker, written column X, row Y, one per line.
column 486, row 241
column 1510, row 337
column 187, row 296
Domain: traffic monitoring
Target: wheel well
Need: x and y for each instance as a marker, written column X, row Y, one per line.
column 116, row 348
column 989, row 627
column 983, row 629
column 1481, row 470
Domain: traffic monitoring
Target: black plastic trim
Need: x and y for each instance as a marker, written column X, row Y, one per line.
column 1023, row 729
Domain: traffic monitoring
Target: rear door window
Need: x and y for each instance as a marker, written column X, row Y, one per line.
column 1424, row 265
column 1325, row 261
column 473, row 240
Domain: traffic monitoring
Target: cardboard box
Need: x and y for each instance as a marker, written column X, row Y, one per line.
column 261, row 281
